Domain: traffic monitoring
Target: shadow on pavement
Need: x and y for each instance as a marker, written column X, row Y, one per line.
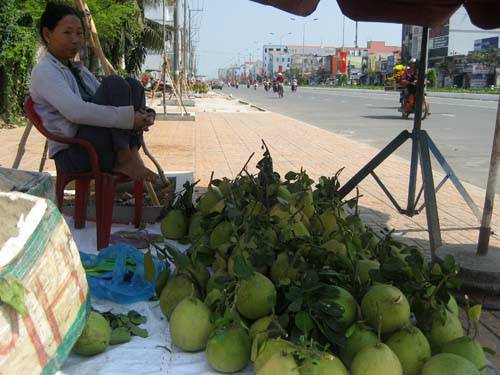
column 383, row 117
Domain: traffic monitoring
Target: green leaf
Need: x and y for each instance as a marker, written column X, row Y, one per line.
column 120, row 335
column 255, row 349
column 489, row 351
column 136, row 331
column 304, row 322
column 475, row 313
column 149, row 267
column 436, row 270
column 449, row 263
column 242, row 269
column 12, row 293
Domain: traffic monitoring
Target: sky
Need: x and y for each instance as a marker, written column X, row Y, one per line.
column 231, row 30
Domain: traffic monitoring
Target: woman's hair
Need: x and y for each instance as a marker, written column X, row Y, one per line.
column 53, row 13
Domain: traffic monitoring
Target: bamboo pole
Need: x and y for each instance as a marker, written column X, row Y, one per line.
column 21, row 148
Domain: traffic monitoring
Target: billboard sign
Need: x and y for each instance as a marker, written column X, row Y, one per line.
column 390, row 63
column 481, row 69
column 486, row 43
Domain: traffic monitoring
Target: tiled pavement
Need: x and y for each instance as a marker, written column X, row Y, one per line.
column 222, row 142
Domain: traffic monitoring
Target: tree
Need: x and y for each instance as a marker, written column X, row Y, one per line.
column 432, row 77
column 490, row 56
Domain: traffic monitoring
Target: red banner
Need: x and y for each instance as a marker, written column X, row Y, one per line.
column 343, row 62
column 280, row 69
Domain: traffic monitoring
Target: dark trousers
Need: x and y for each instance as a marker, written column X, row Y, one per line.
column 113, row 91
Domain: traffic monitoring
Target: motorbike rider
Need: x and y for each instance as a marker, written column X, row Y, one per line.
column 294, row 84
column 279, row 83
column 409, row 82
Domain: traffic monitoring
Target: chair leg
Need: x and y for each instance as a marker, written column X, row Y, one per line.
column 105, row 195
column 81, row 201
column 138, row 195
column 60, row 191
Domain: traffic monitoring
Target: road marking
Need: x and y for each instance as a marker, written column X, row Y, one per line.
column 447, row 114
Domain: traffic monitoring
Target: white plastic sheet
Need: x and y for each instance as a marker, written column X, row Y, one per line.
column 150, row 356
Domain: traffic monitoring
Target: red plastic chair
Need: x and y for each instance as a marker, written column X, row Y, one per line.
column 105, row 184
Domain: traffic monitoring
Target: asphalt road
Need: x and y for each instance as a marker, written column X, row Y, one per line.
column 461, row 128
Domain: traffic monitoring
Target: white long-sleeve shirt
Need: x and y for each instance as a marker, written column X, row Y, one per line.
column 60, row 106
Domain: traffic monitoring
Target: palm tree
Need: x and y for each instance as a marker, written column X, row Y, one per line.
column 150, row 38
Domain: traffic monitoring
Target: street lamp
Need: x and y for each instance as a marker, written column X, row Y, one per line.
column 304, row 23
column 281, row 36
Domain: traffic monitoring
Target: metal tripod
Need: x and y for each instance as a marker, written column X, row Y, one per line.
column 422, row 146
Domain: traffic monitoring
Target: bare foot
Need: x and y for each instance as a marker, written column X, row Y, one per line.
column 135, row 170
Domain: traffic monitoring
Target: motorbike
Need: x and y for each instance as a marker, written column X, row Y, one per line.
column 255, row 85
column 266, row 86
column 407, row 101
column 280, row 89
column 294, row 87
column 275, row 87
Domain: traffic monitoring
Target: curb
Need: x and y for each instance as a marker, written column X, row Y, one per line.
column 435, row 94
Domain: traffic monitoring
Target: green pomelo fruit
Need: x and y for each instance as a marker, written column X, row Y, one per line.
column 279, row 364
column 255, row 297
column 468, row 348
column 174, row 225
column 336, row 247
column 271, row 348
column 221, row 234
column 347, row 302
column 449, row 364
column 210, row 201
column 388, row 304
column 190, row 325
column 281, row 269
column 228, row 351
column 412, row 349
column 195, row 228
column 214, row 282
column 361, row 337
column 177, row 288
column 281, row 214
column 442, row 333
column 364, row 267
column 95, row 336
column 326, row 365
column 376, row 359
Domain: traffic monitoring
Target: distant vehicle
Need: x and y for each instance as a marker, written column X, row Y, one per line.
column 217, row 85
column 330, row 81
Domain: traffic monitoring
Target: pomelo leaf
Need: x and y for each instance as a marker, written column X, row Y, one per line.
column 12, row 294
column 304, row 322
column 149, row 267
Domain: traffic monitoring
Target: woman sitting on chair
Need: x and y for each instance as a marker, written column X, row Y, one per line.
column 111, row 115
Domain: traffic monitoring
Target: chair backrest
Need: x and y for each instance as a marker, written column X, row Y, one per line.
column 29, row 109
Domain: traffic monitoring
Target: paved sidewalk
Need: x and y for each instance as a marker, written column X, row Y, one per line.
column 222, row 140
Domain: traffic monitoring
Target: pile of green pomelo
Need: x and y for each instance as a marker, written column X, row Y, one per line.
column 282, row 274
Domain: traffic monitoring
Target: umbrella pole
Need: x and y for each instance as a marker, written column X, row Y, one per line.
column 489, row 200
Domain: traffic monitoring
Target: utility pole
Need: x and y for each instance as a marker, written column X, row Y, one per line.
column 356, row 40
column 176, row 40
column 184, row 42
column 190, row 42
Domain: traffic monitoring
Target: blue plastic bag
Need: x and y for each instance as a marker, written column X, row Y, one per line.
column 124, row 283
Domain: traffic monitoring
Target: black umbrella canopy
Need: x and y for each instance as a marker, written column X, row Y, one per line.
column 483, row 13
